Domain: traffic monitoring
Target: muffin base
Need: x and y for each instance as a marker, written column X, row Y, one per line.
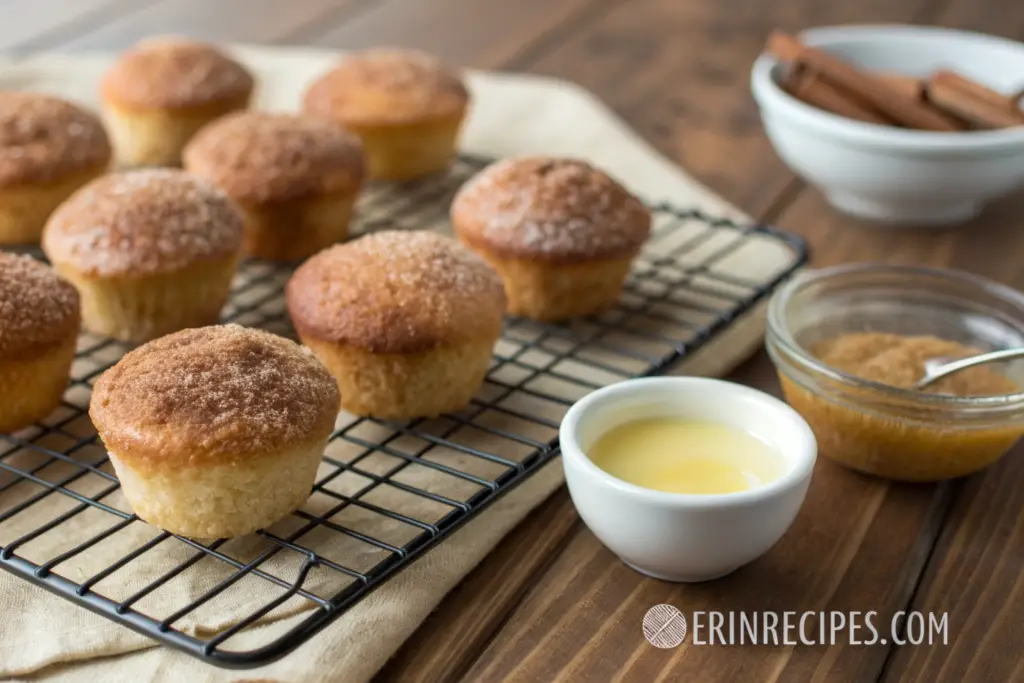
column 25, row 208
column 405, row 386
column 156, row 137
column 33, row 387
column 398, row 153
column 222, row 501
column 137, row 309
column 548, row 292
column 290, row 231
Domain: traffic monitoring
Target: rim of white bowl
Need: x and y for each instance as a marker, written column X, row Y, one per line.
column 771, row 96
column 801, row 467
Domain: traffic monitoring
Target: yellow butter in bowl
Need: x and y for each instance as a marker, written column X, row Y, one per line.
column 680, row 455
column 686, row 478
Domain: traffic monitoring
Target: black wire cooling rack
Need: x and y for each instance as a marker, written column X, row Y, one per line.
column 386, row 492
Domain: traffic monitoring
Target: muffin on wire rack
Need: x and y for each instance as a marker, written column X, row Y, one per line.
column 561, row 233
column 218, row 431
column 39, row 320
column 407, row 107
column 405, row 321
column 150, row 251
column 48, row 149
column 159, row 93
column 295, row 178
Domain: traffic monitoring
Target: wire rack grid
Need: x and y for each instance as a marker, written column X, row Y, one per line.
column 386, row 492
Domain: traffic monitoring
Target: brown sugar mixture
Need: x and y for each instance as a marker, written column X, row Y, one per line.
column 900, row 441
column 899, row 361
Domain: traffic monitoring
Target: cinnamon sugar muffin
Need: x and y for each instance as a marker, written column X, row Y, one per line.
column 215, row 432
column 159, row 93
column 151, row 251
column 296, row 179
column 405, row 322
column 38, row 331
column 406, row 106
column 48, row 149
column 561, row 233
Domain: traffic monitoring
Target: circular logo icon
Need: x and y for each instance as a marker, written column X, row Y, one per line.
column 664, row 626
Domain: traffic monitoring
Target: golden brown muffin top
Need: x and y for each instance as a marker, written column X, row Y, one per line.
column 387, row 87
column 213, row 396
column 38, row 308
column 44, row 139
column 397, row 292
column 141, row 223
column 264, row 158
column 547, row 209
column 175, row 73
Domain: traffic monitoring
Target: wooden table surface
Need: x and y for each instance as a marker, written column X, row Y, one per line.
column 553, row 604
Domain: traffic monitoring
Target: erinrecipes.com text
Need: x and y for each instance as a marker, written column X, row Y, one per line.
column 818, row 628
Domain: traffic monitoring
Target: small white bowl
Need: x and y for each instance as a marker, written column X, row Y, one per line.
column 895, row 175
column 675, row 536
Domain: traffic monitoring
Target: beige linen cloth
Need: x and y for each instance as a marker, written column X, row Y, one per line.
column 43, row 637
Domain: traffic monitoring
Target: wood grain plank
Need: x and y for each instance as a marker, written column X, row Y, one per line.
column 256, row 21
column 975, row 579
column 603, row 643
column 835, row 238
column 975, row 575
column 633, row 58
column 35, row 24
column 446, row 643
column 481, row 34
column 582, row 621
column 991, row 17
column 678, row 72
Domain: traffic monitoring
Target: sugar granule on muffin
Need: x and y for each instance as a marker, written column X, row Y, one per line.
column 160, row 92
column 388, row 86
column 406, row 322
column 152, row 251
column 561, row 233
column 296, row 178
column 406, row 106
column 39, row 321
column 48, row 149
column 218, row 431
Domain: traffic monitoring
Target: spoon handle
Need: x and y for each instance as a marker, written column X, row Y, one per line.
column 982, row 359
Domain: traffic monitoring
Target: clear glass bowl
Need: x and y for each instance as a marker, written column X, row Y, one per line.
column 884, row 430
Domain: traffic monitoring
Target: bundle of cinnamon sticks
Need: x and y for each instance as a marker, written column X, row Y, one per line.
column 944, row 101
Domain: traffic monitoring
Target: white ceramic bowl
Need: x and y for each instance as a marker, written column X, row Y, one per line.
column 675, row 536
column 890, row 174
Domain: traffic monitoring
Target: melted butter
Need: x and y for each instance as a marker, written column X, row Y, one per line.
column 686, row 456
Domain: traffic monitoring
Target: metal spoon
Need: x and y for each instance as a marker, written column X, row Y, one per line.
column 937, row 368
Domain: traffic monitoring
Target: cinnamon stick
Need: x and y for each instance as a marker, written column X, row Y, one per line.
column 886, row 98
column 910, row 86
column 977, row 91
column 1016, row 97
column 976, row 103
column 807, row 85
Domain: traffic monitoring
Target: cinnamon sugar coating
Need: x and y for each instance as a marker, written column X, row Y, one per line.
column 213, row 396
column 175, row 73
column 552, row 210
column 899, row 361
column 38, row 309
column 44, row 139
column 387, row 87
column 397, row 292
column 266, row 158
column 142, row 223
